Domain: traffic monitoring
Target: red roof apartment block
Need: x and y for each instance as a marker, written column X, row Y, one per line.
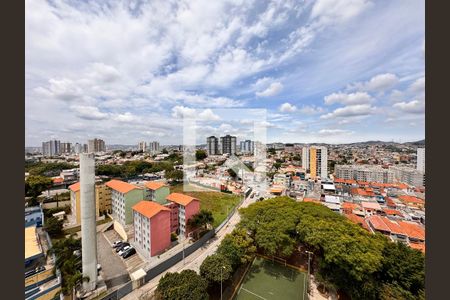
column 182, row 207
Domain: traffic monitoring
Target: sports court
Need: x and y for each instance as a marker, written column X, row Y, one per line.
column 272, row 280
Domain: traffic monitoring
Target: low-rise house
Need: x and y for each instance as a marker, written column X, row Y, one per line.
column 371, row 208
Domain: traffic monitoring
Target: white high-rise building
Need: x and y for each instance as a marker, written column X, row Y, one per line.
column 51, row 148
column 153, row 147
column 96, row 145
column 305, row 158
column 421, row 160
column 247, row 147
column 142, row 146
column 212, row 145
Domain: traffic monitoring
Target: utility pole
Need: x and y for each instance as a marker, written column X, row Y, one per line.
column 221, row 278
column 309, row 271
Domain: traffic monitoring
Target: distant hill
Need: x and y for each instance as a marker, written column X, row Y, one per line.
column 417, row 143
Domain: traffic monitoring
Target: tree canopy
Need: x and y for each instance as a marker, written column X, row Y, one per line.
column 216, row 268
column 200, row 154
column 185, row 285
column 36, row 184
column 349, row 257
column 202, row 218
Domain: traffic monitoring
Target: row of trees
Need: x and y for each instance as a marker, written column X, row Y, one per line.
column 46, row 169
column 134, row 168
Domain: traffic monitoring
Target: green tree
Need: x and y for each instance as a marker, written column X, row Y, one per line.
column 200, row 154
column 36, row 184
column 185, row 285
column 68, row 263
column 164, row 151
column 216, row 268
column 54, row 226
column 176, row 175
column 202, row 218
column 238, row 247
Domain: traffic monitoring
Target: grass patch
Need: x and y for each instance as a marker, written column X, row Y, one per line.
column 217, row 202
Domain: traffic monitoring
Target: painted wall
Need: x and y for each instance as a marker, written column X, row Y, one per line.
column 313, row 163
column 103, row 198
column 173, row 216
column 131, row 198
column 160, row 232
column 76, row 208
column 190, row 210
column 161, row 194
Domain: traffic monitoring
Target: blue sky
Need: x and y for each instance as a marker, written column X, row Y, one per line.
column 325, row 71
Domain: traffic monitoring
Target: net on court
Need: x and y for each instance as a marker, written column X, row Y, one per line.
column 272, row 280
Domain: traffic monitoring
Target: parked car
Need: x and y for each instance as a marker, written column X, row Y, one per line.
column 99, row 267
column 117, row 243
column 129, row 253
column 124, row 250
column 123, row 245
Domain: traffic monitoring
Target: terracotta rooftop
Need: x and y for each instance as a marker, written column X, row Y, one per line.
column 180, row 198
column 392, row 212
column 149, row 208
column 121, row 186
column 371, row 205
column 413, row 230
column 75, row 187
column 411, row 199
column 418, row 246
column 311, row 200
column 154, row 185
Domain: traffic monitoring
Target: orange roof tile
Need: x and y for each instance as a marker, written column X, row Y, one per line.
column 418, row 246
column 181, row 198
column 411, row 199
column 413, row 230
column 154, row 185
column 378, row 223
column 349, row 205
column 339, row 180
column 355, row 219
column 58, row 180
column 311, row 200
column 75, row 187
column 392, row 212
column 149, row 208
column 371, row 205
column 121, row 186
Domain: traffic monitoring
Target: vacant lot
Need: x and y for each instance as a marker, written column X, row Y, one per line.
column 218, row 203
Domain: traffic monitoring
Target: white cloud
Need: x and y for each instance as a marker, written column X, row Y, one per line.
column 333, row 11
column 272, row 90
column 287, row 108
column 186, row 112
column 334, row 131
column 377, row 84
column 418, row 86
column 350, row 111
column 311, row 110
column 348, row 99
column 413, row 107
column 89, row 112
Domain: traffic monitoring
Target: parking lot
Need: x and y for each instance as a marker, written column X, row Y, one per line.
column 132, row 263
column 114, row 271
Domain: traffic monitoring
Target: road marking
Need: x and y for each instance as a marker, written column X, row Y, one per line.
column 242, row 288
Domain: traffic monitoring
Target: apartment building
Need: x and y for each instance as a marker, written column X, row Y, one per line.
column 51, row 148
column 228, row 144
column 96, row 145
column 247, row 147
column 420, row 160
column 123, row 197
column 151, row 222
column 153, row 147
column 75, row 207
column 212, row 145
column 315, row 159
column 408, row 175
column 156, row 191
column 103, row 198
column 182, row 207
column 142, row 146
column 365, row 173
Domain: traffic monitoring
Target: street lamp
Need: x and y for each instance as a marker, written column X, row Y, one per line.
column 221, row 276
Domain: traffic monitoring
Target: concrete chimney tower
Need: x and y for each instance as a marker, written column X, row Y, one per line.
column 88, row 222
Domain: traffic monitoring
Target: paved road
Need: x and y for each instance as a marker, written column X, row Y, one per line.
column 194, row 260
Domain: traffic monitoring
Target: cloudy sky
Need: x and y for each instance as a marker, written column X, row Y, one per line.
column 334, row 71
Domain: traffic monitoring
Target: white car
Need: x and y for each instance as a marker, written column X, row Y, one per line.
column 124, row 250
column 117, row 243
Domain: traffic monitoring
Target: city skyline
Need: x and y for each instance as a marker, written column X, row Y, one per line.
column 325, row 74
